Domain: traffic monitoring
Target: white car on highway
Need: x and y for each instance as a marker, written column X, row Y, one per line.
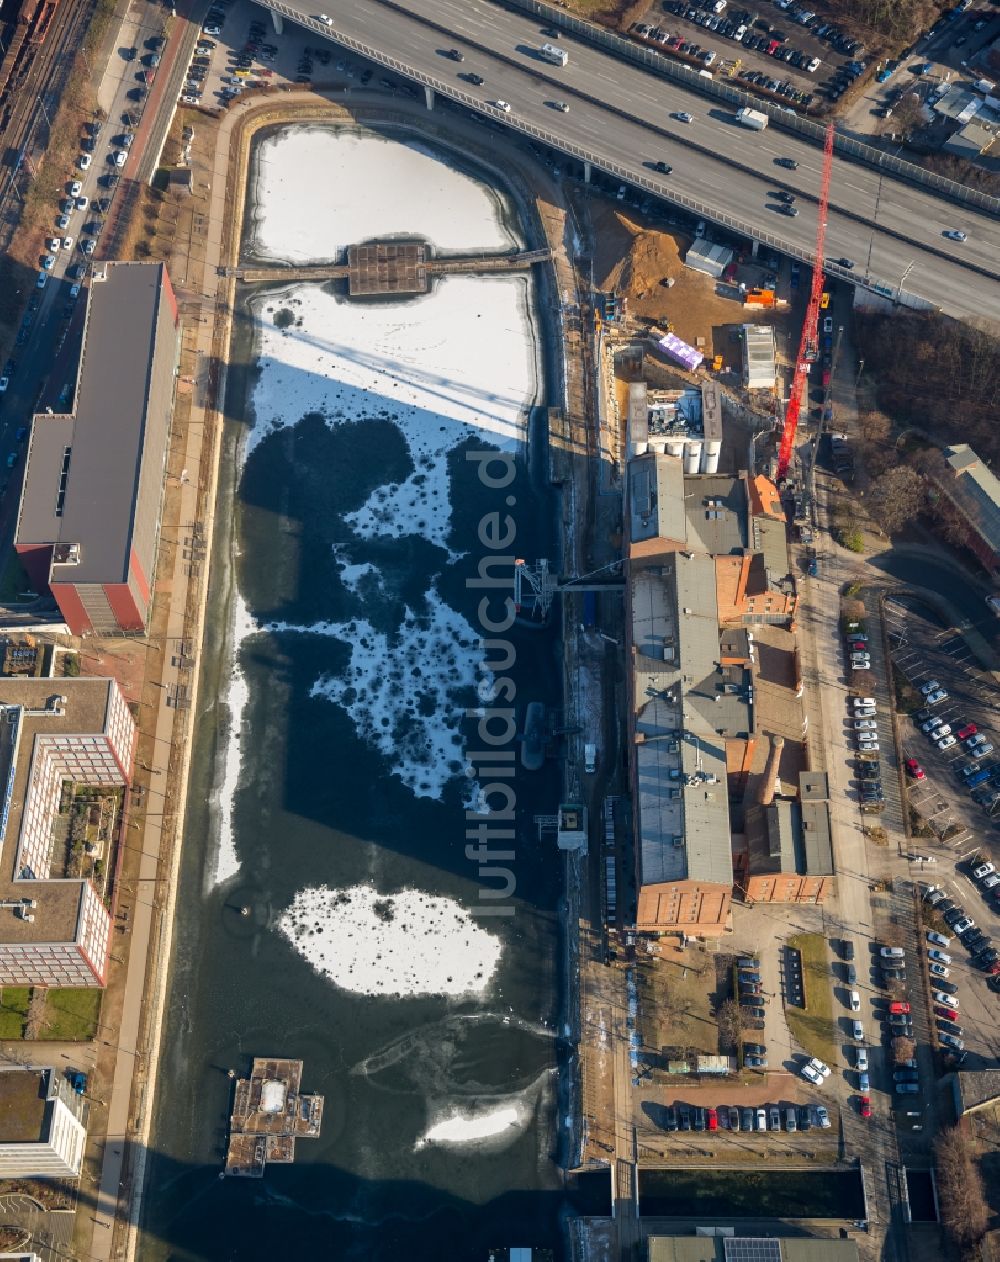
column 503, row 105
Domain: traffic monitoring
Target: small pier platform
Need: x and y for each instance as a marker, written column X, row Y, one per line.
column 269, row 1115
column 387, row 267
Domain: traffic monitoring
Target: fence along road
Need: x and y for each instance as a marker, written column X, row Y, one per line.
column 620, row 121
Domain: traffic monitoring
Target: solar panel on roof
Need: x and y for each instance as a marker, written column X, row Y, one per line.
column 752, row 1249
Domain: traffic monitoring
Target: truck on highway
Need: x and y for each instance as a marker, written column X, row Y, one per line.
column 558, row 56
column 753, row 119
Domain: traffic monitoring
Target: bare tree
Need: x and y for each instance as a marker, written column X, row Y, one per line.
column 908, row 115
column 902, row 1050
column 964, row 1212
column 897, row 497
column 875, row 427
column 730, row 1025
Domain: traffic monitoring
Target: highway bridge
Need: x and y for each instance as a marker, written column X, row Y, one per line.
column 621, row 120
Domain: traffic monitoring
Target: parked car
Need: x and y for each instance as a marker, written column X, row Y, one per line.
column 984, row 869
column 914, row 769
column 938, row 939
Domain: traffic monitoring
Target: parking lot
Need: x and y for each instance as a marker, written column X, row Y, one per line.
column 959, row 838
column 925, row 652
column 239, row 49
column 786, row 53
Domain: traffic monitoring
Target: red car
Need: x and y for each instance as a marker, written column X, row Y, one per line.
column 964, row 733
column 915, row 769
column 899, row 1007
column 713, row 1120
column 949, row 1014
column 866, row 1106
column 857, row 646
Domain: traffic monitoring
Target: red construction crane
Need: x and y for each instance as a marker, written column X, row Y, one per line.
column 809, row 345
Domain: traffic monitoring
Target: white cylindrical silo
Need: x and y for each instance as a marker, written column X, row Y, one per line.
column 710, row 455
column 692, row 455
column 675, row 447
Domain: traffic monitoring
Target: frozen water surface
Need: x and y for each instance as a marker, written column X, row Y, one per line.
column 404, row 944
column 319, row 190
column 456, row 364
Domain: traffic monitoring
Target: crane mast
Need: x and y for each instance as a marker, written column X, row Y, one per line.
column 809, row 342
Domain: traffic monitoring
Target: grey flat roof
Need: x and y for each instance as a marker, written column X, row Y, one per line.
column 814, row 786
column 788, row 837
column 817, row 844
column 715, row 1249
column 106, row 432
column 656, row 498
column 771, row 540
column 717, row 512
column 682, row 788
column 711, row 411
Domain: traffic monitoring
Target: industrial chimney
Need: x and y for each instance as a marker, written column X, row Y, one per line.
column 771, row 771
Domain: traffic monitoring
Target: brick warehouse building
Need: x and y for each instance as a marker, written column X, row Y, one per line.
column 89, row 516
column 58, row 738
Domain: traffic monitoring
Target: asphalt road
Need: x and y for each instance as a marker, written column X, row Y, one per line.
column 622, row 115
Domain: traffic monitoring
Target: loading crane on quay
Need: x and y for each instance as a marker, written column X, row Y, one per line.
column 809, row 343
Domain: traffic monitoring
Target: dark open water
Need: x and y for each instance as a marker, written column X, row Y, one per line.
column 318, row 807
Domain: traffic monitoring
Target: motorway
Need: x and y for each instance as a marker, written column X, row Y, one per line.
column 621, row 114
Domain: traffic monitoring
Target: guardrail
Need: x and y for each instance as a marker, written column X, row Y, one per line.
column 702, row 210
column 650, row 59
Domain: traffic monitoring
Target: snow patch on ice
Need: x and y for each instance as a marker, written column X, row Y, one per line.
column 406, row 944
column 227, row 861
column 406, row 694
column 503, row 1122
column 321, row 189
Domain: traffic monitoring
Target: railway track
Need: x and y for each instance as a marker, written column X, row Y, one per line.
column 33, row 101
